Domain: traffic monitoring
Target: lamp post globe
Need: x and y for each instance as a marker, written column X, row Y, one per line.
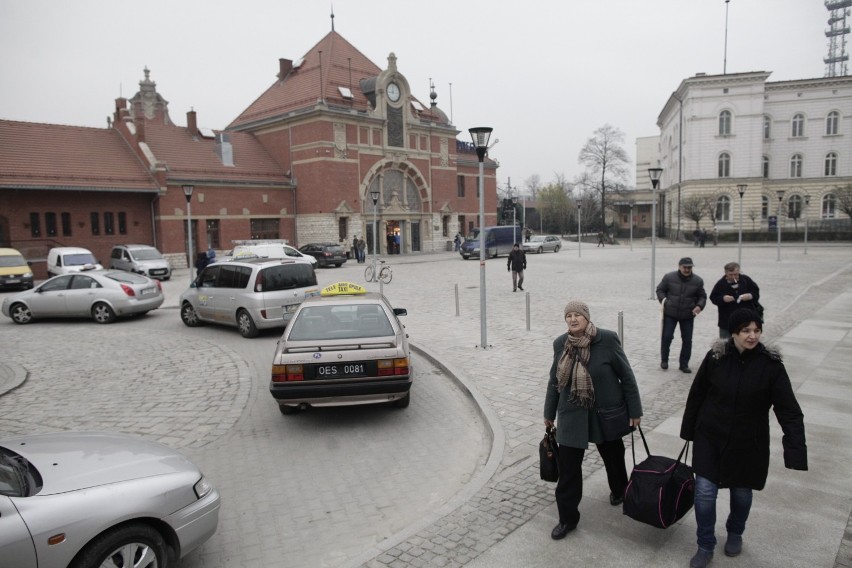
column 480, row 136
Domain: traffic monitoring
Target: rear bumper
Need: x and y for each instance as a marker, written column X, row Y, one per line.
column 361, row 392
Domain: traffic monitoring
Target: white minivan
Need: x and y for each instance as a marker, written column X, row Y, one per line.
column 62, row 260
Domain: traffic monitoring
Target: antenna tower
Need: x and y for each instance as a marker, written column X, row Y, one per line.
column 836, row 60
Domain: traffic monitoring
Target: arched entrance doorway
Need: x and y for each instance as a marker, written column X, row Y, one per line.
column 402, row 221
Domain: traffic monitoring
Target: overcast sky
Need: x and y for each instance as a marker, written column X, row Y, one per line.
column 543, row 73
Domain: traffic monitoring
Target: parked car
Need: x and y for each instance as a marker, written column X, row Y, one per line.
column 268, row 250
column 327, row 254
column 251, row 294
column 141, row 259
column 89, row 499
column 541, row 243
column 498, row 240
column 63, row 260
column 345, row 346
column 15, row 271
column 102, row 295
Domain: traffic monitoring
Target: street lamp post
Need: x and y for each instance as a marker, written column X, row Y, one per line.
column 374, row 195
column 780, row 194
column 631, row 225
column 187, row 192
column 579, row 234
column 807, row 202
column 655, row 174
column 480, row 136
column 514, row 221
column 741, row 188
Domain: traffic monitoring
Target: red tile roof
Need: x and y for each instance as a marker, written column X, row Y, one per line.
column 34, row 155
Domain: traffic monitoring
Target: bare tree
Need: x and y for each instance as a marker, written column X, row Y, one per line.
column 696, row 207
column 606, row 159
column 533, row 184
column 844, row 199
column 753, row 214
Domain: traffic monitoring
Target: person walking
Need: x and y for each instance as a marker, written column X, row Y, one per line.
column 727, row 419
column 517, row 263
column 527, row 234
column 589, row 371
column 362, row 250
column 732, row 291
column 457, row 242
column 685, row 298
column 355, row 254
column 601, row 240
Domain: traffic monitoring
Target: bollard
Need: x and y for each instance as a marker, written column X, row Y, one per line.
column 381, row 287
column 457, row 300
column 621, row 328
column 528, row 311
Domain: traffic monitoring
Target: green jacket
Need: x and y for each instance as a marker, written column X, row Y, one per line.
column 613, row 381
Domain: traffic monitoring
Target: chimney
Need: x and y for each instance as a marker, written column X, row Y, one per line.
column 284, row 67
column 191, row 124
column 139, row 123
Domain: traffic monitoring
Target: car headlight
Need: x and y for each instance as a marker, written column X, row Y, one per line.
column 203, row 487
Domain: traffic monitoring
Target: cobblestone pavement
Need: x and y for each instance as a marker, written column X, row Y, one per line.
column 507, row 381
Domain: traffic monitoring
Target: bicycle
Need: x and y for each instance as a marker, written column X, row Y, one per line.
column 385, row 273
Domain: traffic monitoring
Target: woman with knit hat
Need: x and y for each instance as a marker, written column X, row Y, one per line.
column 727, row 418
column 590, row 371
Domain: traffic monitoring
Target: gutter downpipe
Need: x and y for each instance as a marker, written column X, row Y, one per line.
column 679, row 163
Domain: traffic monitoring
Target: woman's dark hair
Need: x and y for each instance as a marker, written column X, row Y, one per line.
column 741, row 318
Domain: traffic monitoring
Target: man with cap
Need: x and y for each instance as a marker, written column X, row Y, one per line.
column 685, row 298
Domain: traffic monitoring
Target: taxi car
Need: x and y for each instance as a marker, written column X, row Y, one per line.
column 343, row 347
column 541, row 243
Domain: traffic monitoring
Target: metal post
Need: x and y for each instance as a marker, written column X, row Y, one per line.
column 780, row 194
column 579, row 234
column 528, row 310
column 374, row 195
column 457, row 300
column 807, row 203
column 655, row 174
column 741, row 188
column 631, row 226
column 621, row 328
column 187, row 192
column 482, row 315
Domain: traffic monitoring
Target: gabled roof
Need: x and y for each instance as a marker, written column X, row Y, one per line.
column 342, row 66
column 52, row 156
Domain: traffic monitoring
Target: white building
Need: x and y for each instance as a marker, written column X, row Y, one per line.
column 718, row 132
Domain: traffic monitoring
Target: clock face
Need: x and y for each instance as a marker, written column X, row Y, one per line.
column 393, row 92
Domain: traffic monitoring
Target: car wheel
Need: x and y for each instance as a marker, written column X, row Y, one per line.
column 338, row 264
column 20, row 313
column 139, row 546
column 404, row 401
column 556, row 249
column 540, row 250
column 166, row 278
column 246, row 324
column 188, row 315
column 102, row 313
column 288, row 410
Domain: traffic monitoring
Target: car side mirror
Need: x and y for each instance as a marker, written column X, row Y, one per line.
column 400, row 312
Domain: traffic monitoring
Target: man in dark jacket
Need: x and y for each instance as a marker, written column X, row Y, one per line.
column 517, row 264
column 685, row 298
column 732, row 291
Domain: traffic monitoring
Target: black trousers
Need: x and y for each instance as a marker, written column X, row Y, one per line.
column 569, row 488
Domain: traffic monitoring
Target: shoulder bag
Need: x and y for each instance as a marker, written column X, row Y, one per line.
column 547, row 451
column 614, row 421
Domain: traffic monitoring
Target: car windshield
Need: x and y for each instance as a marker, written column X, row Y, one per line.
column 14, row 480
column 474, row 236
column 12, row 260
column 342, row 321
column 78, row 259
column 537, row 239
column 147, row 254
column 334, row 248
column 288, row 276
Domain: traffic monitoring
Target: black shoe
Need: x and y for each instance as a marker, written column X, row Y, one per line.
column 520, row 287
column 734, row 545
column 560, row 530
column 685, row 370
column 664, row 365
column 615, row 501
column 514, row 289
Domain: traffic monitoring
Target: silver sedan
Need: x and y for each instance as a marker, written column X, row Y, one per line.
column 102, row 295
column 97, row 500
column 541, row 243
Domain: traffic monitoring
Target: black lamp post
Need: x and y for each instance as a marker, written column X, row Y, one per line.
column 480, row 136
column 374, row 195
column 631, row 225
column 579, row 233
column 780, row 194
column 655, row 174
column 741, row 188
column 807, row 202
column 187, row 192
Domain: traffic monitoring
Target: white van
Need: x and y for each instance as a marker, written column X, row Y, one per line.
column 62, row 260
column 269, row 250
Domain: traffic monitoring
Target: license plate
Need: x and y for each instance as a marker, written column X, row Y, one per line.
column 291, row 308
column 340, row 371
column 13, row 281
column 151, row 290
column 158, row 272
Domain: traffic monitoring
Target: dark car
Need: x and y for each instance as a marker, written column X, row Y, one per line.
column 327, row 254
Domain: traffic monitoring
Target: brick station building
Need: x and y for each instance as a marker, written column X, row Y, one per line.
column 298, row 163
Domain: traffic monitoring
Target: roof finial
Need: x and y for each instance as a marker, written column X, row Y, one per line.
column 332, row 16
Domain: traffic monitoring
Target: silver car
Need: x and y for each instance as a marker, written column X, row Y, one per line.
column 141, row 259
column 94, row 500
column 541, row 243
column 102, row 295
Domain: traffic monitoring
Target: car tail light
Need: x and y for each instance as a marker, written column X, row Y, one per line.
column 326, row 253
column 128, row 290
column 258, row 282
column 389, row 367
column 287, row 373
column 159, row 285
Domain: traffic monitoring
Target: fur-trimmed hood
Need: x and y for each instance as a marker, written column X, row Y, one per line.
column 722, row 347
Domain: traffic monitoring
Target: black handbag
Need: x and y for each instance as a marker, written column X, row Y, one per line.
column 661, row 490
column 614, row 421
column 547, row 450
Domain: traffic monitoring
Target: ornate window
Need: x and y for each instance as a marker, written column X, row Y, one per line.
column 798, row 126
column 796, row 166
column 723, row 208
column 831, row 164
column 829, row 206
column 767, row 127
column 831, row 122
column 764, row 207
column 725, row 123
column 794, row 207
column 766, row 167
column 724, row 165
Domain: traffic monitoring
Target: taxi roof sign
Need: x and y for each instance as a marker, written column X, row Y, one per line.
column 343, row 288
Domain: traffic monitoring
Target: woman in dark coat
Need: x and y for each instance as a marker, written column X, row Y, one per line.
column 589, row 371
column 727, row 418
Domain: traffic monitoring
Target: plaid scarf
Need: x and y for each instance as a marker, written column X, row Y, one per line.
column 572, row 368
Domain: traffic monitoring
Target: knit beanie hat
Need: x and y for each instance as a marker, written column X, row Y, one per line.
column 578, row 307
column 741, row 318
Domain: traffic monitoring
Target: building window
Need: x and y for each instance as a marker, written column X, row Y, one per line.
column 122, row 223
column 831, row 164
column 796, row 166
column 342, row 225
column 767, row 127
column 264, row 229
column 35, row 225
column 213, row 233
column 794, row 207
column 829, row 206
column 764, row 207
column 50, row 224
column 798, row 126
column 95, row 222
column 723, row 208
column 445, row 225
column 462, row 224
column 460, row 186
column 724, row 165
column 766, row 167
column 109, row 223
column 831, row 122
column 66, row 224
column 725, row 123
